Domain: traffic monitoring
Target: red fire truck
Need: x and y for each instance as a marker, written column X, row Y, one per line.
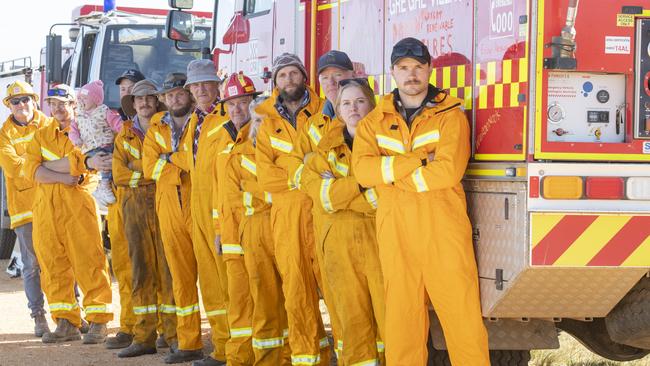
column 558, row 187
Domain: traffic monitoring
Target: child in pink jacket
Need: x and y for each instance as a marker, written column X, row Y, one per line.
column 94, row 131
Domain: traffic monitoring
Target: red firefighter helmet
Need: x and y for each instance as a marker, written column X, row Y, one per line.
column 239, row 85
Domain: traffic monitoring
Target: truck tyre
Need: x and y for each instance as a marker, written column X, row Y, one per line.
column 594, row 336
column 629, row 322
column 7, row 241
column 509, row 358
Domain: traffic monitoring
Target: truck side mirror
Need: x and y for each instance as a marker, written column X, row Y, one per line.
column 181, row 4
column 180, row 26
column 53, row 59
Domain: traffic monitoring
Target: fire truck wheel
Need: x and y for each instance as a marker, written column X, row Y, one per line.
column 7, row 242
column 497, row 357
column 594, row 336
column 629, row 322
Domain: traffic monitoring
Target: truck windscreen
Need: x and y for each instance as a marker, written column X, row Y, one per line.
column 144, row 47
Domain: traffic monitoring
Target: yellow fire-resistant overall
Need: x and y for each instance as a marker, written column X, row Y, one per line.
column 149, row 267
column 293, row 230
column 175, row 218
column 424, row 234
column 67, row 240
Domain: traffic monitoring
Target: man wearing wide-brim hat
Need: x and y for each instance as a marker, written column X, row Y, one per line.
column 200, row 143
column 162, row 163
column 148, row 264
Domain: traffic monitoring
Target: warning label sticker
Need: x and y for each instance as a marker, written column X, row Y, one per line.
column 624, row 20
column 617, row 45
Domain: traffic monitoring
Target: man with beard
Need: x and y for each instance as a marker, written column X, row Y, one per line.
column 286, row 113
column 413, row 148
column 159, row 160
column 201, row 146
column 16, row 133
column 150, row 273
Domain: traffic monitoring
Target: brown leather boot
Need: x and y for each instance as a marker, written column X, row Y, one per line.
column 64, row 332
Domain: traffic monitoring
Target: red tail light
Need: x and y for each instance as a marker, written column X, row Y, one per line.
column 605, row 188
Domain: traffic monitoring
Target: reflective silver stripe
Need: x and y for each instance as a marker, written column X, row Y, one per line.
column 62, row 306
column 339, row 345
column 281, row 145
column 342, row 168
column 188, row 310
column 297, row 176
column 96, row 309
column 20, row 217
column 228, row 148
column 285, row 333
column 390, row 143
column 373, row 362
column 314, row 134
column 232, row 249
column 249, row 165
column 266, row 343
column 268, row 198
column 418, row 180
column 48, row 155
column 248, row 203
column 215, row 213
column 157, row 169
column 371, row 196
column 380, row 346
column 324, row 342
column 325, row 200
column 305, row 360
column 216, row 312
column 160, row 140
column 145, row 309
column 216, row 129
column 241, row 332
column 26, row 138
column 135, row 177
column 426, row 138
column 132, row 150
column 387, row 171
column 167, row 309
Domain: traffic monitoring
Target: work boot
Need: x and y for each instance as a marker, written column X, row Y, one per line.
column 40, row 325
column 64, row 332
column 135, row 350
column 84, row 327
column 180, row 356
column 96, row 334
column 161, row 342
column 121, row 340
column 208, row 361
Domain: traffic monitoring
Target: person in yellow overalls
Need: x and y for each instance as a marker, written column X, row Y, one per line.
column 119, row 245
column 161, row 145
column 348, row 235
column 67, row 239
column 286, row 113
column 201, row 149
column 16, row 132
column 150, row 272
column 414, row 148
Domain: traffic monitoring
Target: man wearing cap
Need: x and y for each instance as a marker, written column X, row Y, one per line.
column 200, row 147
column 15, row 135
column 286, row 113
column 150, row 273
column 159, row 161
column 239, row 92
column 119, row 245
column 333, row 67
column 413, row 148
column 67, row 238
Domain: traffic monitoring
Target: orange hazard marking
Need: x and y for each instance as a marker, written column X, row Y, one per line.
column 590, row 240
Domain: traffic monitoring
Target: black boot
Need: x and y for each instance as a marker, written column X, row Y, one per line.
column 180, row 356
column 121, row 340
column 135, row 350
column 208, row 361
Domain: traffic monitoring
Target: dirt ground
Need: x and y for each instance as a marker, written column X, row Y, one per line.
column 19, row 346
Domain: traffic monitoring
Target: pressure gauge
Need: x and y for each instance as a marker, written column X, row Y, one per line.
column 555, row 113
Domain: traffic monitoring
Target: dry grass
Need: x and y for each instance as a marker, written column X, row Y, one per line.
column 572, row 353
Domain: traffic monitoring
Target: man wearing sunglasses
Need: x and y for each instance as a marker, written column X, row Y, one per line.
column 15, row 134
column 414, row 148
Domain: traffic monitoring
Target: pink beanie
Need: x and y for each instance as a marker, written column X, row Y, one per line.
column 94, row 90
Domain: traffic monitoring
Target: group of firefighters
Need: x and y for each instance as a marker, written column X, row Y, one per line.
column 263, row 202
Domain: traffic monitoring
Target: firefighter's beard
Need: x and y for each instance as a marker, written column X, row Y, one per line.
column 295, row 95
column 181, row 111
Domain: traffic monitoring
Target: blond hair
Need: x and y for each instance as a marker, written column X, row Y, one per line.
column 365, row 89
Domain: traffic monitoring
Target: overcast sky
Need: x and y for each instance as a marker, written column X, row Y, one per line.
column 25, row 23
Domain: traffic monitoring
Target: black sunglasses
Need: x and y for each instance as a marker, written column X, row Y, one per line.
column 18, row 100
column 362, row 81
column 57, row 93
column 408, row 50
column 173, row 84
